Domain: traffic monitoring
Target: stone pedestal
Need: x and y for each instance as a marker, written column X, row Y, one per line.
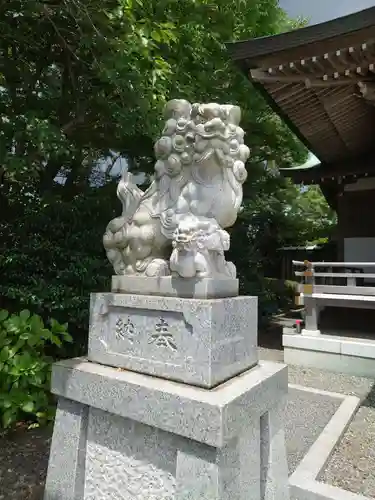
column 174, row 286
column 199, row 342
column 171, row 404
column 121, row 435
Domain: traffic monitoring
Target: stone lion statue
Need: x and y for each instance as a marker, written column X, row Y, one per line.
column 199, row 173
column 198, row 249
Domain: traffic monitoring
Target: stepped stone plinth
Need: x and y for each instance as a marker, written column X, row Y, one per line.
column 171, row 402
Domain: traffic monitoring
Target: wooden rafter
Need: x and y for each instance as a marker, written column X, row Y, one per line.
column 321, row 81
column 329, row 113
column 342, row 67
column 360, row 166
column 324, row 81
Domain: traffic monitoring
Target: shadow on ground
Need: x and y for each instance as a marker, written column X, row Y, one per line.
column 23, row 463
column 270, row 336
column 369, row 401
column 348, row 322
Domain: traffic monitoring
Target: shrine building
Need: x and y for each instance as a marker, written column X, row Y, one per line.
column 321, row 81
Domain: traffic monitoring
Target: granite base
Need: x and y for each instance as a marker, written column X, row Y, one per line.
column 199, row 342
column 125, row 436
column 174, row 286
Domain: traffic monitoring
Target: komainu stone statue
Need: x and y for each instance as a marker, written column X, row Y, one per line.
column 177, row 226
column 198, row 249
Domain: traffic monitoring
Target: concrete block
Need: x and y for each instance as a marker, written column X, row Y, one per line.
column 310, row 332
column 313, row 343
column 333, row 353
column 313, row 359
column 338, row 363
column 361, row 348
column 358, row 366
column 201, row 342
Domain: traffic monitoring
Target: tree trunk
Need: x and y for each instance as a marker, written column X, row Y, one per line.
column 47, row 178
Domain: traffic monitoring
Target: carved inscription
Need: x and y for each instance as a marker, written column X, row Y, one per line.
column 125, row 329
column 160, row 333
column 162, row 337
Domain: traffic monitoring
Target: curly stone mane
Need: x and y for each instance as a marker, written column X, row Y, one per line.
column 191, row 133
column 201, row 153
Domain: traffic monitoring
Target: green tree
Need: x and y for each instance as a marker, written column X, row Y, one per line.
column 81, row 80
column 277, row 213
column 77, row 78
column 310, row 216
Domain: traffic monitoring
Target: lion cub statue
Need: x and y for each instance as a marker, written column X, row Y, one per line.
column 198, row 250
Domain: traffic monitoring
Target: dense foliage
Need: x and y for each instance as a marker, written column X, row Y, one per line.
column 84, row 80
column 25, row 367
column 80, row 79
column 311, row 218
column 276, row 214
column 52, row 258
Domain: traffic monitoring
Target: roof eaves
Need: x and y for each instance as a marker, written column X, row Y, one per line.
column 301, row 168
column 257, row 47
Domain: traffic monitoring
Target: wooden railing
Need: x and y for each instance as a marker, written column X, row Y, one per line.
column 286, row 255
column 330, row 281
column 327, row 284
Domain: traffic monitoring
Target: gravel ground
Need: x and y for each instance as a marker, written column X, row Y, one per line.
column 334, row 382
column 306, row 416
column 352, row 464
column 319, row 379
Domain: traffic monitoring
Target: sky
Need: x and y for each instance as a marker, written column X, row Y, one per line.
column 318, row 11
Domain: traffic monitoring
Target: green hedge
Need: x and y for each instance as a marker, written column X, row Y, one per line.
column 25, row 367
column 52, row 258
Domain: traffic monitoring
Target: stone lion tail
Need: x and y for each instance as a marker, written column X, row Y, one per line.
column 115, row 236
